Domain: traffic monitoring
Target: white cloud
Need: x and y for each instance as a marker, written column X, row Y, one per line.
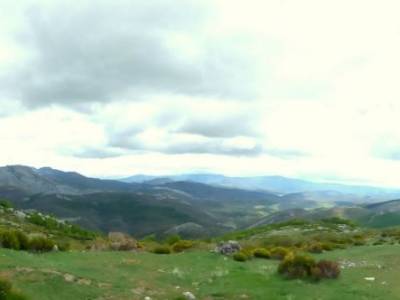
column 323, row 78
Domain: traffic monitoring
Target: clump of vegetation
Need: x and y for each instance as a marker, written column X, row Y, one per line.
column 172, row 239
column 9, row 240
column 315, row 248
column 182, row 245
column 325, row 269
column 162, row 249
column 240, row 256
column 5, row 204
column 53, row 224
column 304, row 266
column 280, row 252
column 296, row 266
column 7, row 292
column 339, row 221
column 359, row 243
column 261, row 253
column 17, row 240
column 14, row 239
column 41, row 244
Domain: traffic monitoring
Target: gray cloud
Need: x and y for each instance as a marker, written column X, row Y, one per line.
column 99, row 53
column 129, row 140
column 93, row 152
column 212, row 147
column 233, row 126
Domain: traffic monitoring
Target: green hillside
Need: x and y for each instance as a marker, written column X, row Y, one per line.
column 110, row 275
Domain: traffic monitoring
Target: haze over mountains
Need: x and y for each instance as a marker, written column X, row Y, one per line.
column 275, row 184
column 190, row 204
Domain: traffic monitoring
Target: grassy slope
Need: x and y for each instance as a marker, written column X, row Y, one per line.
column 207, row 275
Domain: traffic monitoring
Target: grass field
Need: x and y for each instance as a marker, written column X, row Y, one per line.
column 125, row 275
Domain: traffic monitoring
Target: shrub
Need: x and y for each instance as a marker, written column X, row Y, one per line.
column 7, row 293
column 182, row 245
column 328, row 246
column 4, row 203
column 296, row 266
column 162, row 250
column 9, row 240
column 279, row 252
column 261, row 253
column 172, row 239
column 41, row 244
column 326, row 269
column 23, row 240
column 303, row 266
column 64, row 246
column 5, row 289
column 240, row 256
column 315, row 248
column 359, row 243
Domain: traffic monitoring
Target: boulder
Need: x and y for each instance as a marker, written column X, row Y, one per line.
column 122, row 242
column 189, row 296
column 228, row 248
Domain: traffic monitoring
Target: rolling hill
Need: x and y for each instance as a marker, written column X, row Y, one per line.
column 279, row 185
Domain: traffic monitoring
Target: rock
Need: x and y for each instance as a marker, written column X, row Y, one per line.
column 19, row 214
column 69, row 277
column 84, row 281
column 189, row 296
column 122, row 242
column 147, row 298
column 370, row 278
column 228, row 248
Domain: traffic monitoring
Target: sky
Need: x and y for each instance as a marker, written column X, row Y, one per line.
column 306, row 89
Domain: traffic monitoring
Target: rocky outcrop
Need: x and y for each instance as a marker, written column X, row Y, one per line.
column 228, row 248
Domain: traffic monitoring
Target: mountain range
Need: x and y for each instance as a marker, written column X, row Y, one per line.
column 191, row 205
column 275, row 184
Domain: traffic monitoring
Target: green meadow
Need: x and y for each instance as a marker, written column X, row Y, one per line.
column 130, row 275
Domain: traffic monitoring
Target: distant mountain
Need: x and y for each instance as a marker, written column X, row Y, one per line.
column 82, row 183
column 189, row 204
column 50, row 181
column 376, row 215
column 280, row 185
column 157, row 205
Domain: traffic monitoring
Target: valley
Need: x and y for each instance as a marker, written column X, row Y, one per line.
column 157, row 238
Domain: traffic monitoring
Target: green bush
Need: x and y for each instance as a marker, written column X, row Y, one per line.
column 41, row 244
column 23, row 240
column 9, row 240
column 5, row 289
column 182, row 245
column 64, row 246
column 240, row 256
column 328, row 246
column 296, row 266
column 279, row 252
column 261, row 253
column 315, row 248
column 7, row 293
column 52, row 224
column 162, row 250
column 4, row 203
column 304, row 266
column 172, row 239
column 359, row 243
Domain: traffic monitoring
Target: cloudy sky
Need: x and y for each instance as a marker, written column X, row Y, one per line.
column 306, row 89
